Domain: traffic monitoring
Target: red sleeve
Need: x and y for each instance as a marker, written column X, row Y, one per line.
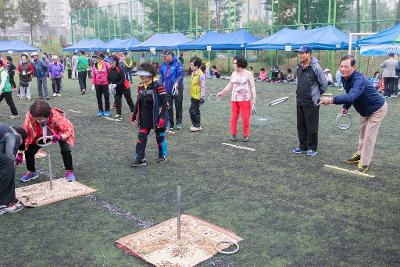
column 31, row 70
column 19, row 68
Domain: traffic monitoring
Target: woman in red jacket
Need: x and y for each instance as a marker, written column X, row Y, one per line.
column 100, row 81
column 41, row 115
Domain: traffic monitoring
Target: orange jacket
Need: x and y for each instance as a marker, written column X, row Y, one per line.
column 57, row 124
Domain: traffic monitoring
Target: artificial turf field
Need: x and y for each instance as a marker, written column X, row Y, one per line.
column 289, row 209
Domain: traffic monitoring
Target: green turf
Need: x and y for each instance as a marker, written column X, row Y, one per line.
column 289, row 209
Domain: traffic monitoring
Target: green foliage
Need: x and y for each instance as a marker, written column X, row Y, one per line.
column 32, row 12
column 8, row 15
column 81, row 4
column 52, row 45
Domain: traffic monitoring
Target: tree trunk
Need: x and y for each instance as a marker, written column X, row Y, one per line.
column 358, row 16
column 373, row 15
column 398, row 13
column 31, row 34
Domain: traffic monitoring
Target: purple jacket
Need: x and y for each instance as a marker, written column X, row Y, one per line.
column 56, row 70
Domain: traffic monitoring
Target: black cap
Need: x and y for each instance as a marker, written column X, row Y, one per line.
column 167, row 52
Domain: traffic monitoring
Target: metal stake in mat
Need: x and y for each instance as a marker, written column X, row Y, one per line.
column 178, row 208
column 43, row 142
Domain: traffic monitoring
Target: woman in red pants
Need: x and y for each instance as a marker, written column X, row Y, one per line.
column 243, row 97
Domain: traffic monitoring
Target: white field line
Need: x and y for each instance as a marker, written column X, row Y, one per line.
column 239, row 147
column 348, row 171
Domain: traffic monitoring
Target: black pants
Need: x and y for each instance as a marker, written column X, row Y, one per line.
column 194, row 112
column 69, row 73
column 128, row 74
column 12, row 81
column 307, row 127
column 396, row 86
column 119, row 92
column 7, row 180
column 142, row 141
column 388, row 84
column 65, row 152
column 56, row 85
column 9, row 101
column 82, row 79
column 100, row 91
column 178, row 99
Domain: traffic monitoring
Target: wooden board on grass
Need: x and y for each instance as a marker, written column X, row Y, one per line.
column 40, row 194
column 159, row 246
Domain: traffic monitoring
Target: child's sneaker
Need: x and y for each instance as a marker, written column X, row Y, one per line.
column 15, row 207
column 28, row 176
column 70, row 175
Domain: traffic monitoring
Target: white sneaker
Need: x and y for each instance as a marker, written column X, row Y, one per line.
column 54, row 94
column 13, row 117
column 58, row 94
column 195, row 129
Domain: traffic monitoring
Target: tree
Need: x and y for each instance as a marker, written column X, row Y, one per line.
column 311, row 12
column 8, row 15
column 358, row 15
column 398, row 12
column 373, row 15
column 81, row 4
column 83, row 11
column 31, row 12
column 222, row 10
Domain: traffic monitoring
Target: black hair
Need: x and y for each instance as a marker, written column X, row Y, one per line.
column 21, row 131
column 116, row 59
column 147, row 66
column 9, row 58
column 196, row 61
column 289, row 70
column 376, row 72
column 214, row 67
column 241, row 62
column 82, row 52
column 352, row 59
column 1, row 63
column 262, row 69
column 40, row 108
column 251, row 68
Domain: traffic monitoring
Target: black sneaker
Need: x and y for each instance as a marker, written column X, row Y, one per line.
column 162, row 159
column 354, row 159
column 3, row 209
column 245, row 139
column 234, row 138
column 15, row 207
column 138, row 163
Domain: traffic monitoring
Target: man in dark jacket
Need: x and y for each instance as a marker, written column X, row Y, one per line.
column 368, row 102
column 11, row 138
column 41, row 75
column 311, row 83
column 171, row 76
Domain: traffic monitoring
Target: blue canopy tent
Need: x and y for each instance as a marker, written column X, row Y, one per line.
column 86, row 45
column 381, row 43
column 110, row 45
column 218, row 41
column 16, row 46
column 324, row 38
column 162, row 41
column 127, row 45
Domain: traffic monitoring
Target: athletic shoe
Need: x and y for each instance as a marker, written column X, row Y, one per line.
column 354, row 159
column 311, row 153
column 70, row 175
column 3, row 209
column 15, row 207
column 162, row 159
column 106, row 113
column 138, row 163
column 245, row 139
column 179, row 126
column 100, row 113
column 362, row 168
column 13, row 117
column 83, row 92
column 58, row 94
column 234, row 138
column 28, row 176
column 47, row 98
column 118, row 117
column 298, row 151
column 29, row 98
column 54, row 94
column 195, row 129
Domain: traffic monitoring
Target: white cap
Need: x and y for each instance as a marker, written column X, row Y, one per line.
column 54, row 57
column 34, row 54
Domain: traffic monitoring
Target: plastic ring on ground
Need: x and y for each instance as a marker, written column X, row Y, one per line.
column 227, row 242
column 278, row 101
column 343, row 125
column 44, row 144
column 214, row 98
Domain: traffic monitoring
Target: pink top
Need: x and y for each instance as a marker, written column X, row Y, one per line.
column 263, row 75
column 242, row 86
